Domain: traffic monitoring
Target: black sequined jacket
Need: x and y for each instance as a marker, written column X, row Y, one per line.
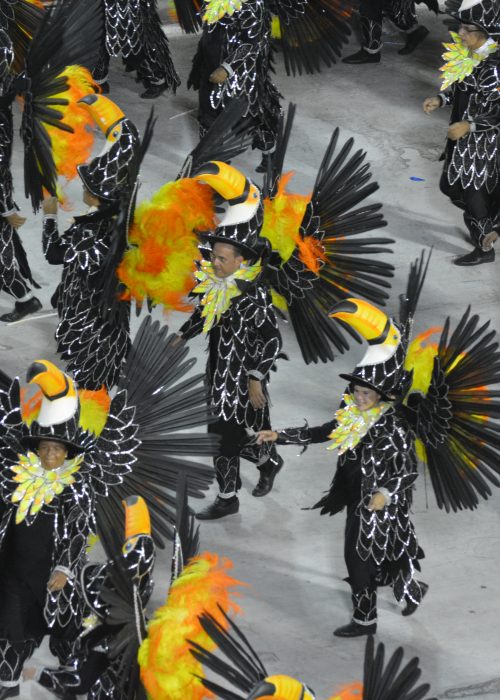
column 71, row 513
column 244, row 343
column 94, row 348
column 474, row 160
column 383, row 460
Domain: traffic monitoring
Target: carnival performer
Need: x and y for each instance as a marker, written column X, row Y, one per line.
column 234, row 56
column 393, row 397
column 15, row 274
column 402, row 13
column 133, row 31
column 62, row 451
column 239, row 666
column 471, row 174
column 93, row 345
column 236, row 313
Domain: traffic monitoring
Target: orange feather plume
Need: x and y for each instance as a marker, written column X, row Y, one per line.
column 160, row 265
column 94, row 409
column 71, row 149
column 168, row 669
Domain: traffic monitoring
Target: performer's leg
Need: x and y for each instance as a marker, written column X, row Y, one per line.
column 267, row 460
column 403, row 14
column 12, row 658
column 157, row 70
column 227, row 470
column 370, row 14
column 12, row 281
column 362, row 575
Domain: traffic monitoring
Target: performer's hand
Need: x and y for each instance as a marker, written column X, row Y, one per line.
column 431, row 103
column 256, row 394
column 15, row 220
column 220, row 75
column 57, row 581
column 29, row 673
column 49, row 205
column 458, row 130
column 266, row 436
column 377, row 501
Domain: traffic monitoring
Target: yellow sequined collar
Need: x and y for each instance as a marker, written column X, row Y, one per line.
column 353, row 424
column 460, row 62
column 37, row 486
column 217, row 9
column 218, row 292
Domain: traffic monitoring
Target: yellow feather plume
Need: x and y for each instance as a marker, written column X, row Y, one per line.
column 282, row 218
column 168, row 669
column 161, row 264
column 94, row 409
column 420, row 359
column 71, row 149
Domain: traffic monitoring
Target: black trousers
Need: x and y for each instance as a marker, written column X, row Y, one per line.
column 481, row 208
column 401, row 12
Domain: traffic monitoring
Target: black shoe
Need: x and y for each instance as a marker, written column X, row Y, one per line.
column 263, row 166
column 362, row 56
column 410, row 605
column 22, row 309
column 413, row 39
column 220, row 508
column 268, row 472
column 477, row 257
column 9, row 692
column 355, row 630
column 153, row 91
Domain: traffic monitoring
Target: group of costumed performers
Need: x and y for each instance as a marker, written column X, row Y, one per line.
column 133, row 31
column 471, row 174
column 239, row 666
column 402, row 13
column 235, row 54
column 69, row 457
column 398, row 394
column 119, row 654
column 44, row 60
column 271, row 249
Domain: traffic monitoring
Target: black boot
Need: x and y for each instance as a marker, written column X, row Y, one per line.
column 362, row 56
column 411, row 606
column 413, row 39
column 220, row 508
column 21, row 309
column 153, row 91
column 12, row 692
column 268, row 473
column 477, row 257
column 264, row 163
column 355, row 630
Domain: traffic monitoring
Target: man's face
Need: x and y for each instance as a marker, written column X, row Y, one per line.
column 365, row 398
column 52, row 454
column 226, row 260
column 472, row 36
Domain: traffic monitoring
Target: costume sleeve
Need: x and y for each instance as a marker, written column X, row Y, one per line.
column 250, row 39
column 267, row 327
column 400, row 472
column 193, row 326
column 487, row 114
column 306, row 435
column 53, row 248
column 7, row 204
column 447, row 96
column 72, row 539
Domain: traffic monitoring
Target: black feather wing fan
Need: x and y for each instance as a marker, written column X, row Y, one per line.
column 70, row 34
column 23, row 19
column 458, row 419
column 148, row 439
column 330, row 262
column 312, row 33
column 241, row 667
column 187, row 533
column 188, row 15
column 390, row 680
column 228, row 136
column 126, row 621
